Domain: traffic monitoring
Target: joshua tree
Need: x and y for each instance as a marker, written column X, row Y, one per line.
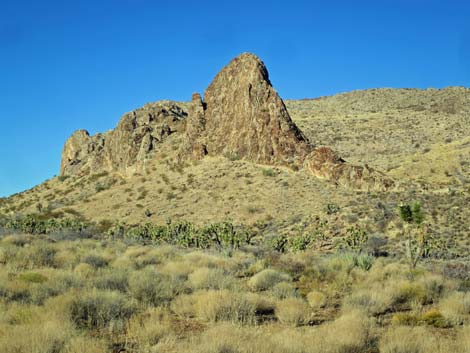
column 416, row 243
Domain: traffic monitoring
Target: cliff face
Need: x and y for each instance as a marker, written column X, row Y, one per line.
column 132, row 141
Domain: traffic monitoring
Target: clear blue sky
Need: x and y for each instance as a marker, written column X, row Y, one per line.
column 66, row 65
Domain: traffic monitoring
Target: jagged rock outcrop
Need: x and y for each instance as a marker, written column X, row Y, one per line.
column 132, row 141
column 324, row 163
column 83, row 153
column 243, row 116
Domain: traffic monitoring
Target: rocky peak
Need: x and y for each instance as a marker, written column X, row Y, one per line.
column 242, row 115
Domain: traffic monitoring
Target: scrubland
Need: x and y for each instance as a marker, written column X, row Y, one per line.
column 73, row 293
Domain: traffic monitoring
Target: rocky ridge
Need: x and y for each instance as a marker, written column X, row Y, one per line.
column 241, row 116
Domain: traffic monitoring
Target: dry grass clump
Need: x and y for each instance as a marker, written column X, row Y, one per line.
column 266, row 279
column 223, row 305
column 81, row 344
column 99, row 309
column 316, row 299
column 153, row 288
column 284, row 290
column 217, row 305
column 84, row 270
column 147, row 329
column 374, row 300
column 180, row 269
column 456, row 307
column 201, row 259
column 404, row 339
column 351, row 332
column 41, row 337
column 209, row 278
column 111, row 279
column 293, row 311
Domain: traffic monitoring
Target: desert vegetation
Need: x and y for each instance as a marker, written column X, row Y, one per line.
column 75, row 290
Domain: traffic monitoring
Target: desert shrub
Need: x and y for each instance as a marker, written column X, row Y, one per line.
column 98, row 309
column 39, row 254
column 114, row 280
column 147, row 329
column 394, row 294
column 406, row 292
column 84, row 270
column 32, row 277
column 178, row 269
column 101, row 187
column 208, row 278
column 267, row 279
column 224, row 305
column 434, row 286
column 456, row 307
column 316, row 299
column 96, row 261
column 17, row 239
column 293, row 311
column 14, row 290
column 57, row 283
column 269, row 172
column 434, row 318
column 184, row 305
column 351, row 332
column 152, row 288
column 66, row 258
column 373, row 300
column 284, row 290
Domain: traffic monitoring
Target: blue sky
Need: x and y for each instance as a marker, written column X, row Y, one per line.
column 66, row 65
